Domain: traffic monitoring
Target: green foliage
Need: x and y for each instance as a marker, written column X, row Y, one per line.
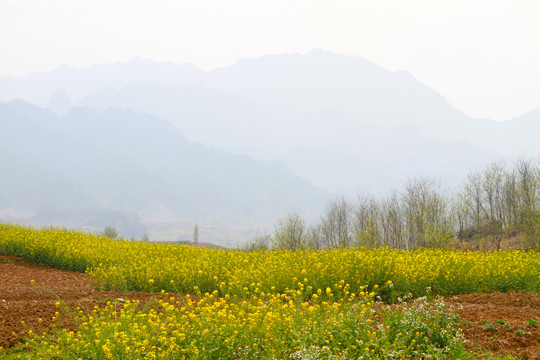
column 110, row 232
column 499, row 202
column 369, row 236
column 491, row 327
column 196, row 234
column 423, row 329
column 503, row 323
column 530, row 226
column 260, row 242
column 259, row 326
column 290, row 233
column 521, row 332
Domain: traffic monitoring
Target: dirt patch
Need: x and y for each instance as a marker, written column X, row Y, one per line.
column 501, row 322
column 21, row 300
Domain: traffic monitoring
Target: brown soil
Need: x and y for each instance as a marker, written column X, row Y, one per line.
column 21, row 301
column 482, row 316
column 23, row 304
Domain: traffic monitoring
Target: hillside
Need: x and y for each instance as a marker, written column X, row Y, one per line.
column 128, row 161
column 382, row 122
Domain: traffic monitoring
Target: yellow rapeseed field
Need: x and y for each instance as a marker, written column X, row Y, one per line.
column 130, row 265
column 217, row 304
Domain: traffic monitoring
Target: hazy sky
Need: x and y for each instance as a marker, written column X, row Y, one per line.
column 482, row 55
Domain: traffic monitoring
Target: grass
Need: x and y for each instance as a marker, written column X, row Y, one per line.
column 522, row 332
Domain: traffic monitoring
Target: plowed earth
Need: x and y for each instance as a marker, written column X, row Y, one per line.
column 493, row 322
column 23, row 304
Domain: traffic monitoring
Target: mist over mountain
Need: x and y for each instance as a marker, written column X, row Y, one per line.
column 164, row 140
column 204, row 114
column 60, row 103
column 37, row 88
column 382, row 122
column 93, row 164
column 363, row 98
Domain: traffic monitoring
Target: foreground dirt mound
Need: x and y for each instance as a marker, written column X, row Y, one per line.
column 501, row 323
column 23, row 303
column 494, row 322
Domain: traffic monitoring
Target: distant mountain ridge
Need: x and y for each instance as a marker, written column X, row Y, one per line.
column 329, row 103
column 37, row 88
column 126, row 161
column 385, row 124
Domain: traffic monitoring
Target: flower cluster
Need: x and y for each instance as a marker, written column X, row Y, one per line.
column 130, row 265
column 268, row 326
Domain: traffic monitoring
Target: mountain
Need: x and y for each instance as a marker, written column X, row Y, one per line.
column 60, row 103
column 521, row 134
column 386, row 126
column 363, row 97
column 37, row 88
column 125, row 162
column 357, row 125
column 206, row 115
column 313, row 83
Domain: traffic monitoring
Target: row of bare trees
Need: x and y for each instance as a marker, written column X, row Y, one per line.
column 492, row 203
column 499, row 200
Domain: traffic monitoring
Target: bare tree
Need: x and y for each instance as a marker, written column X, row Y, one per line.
column 426, row 213
column 290, row 232
column 492, row 199
column 494, row 219
column 463, row 220
column 196, row 234
column 316, row 240
column 367, row 231
column 335, row 224
column 392, row 222
column 492, row 202
column 511, row 197
column 260, row 241
column 528, row 177
column 472, row 192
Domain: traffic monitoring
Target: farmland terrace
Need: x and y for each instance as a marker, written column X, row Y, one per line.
column 493, row 323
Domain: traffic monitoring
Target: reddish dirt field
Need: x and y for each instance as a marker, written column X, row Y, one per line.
column 482, row 316
column 20, row 300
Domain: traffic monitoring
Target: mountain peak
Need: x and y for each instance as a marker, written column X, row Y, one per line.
column 60, row 102
column 317, row 50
